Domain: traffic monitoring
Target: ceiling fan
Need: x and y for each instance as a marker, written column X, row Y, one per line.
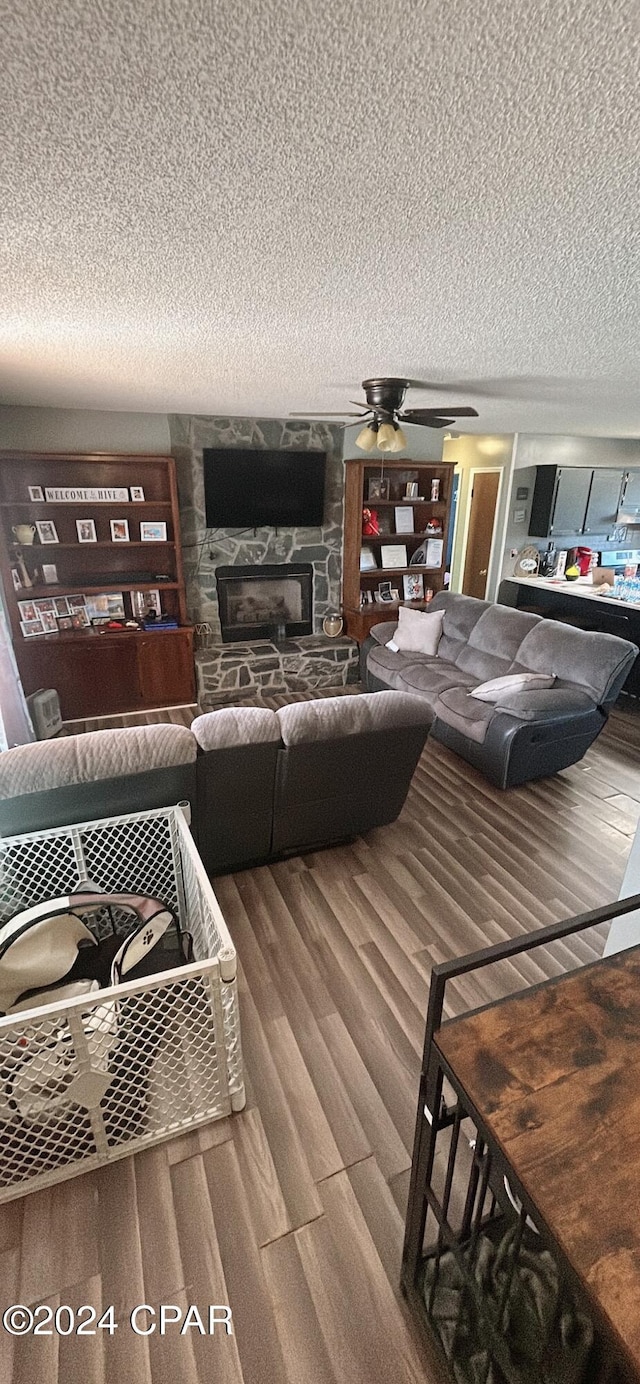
column 383, row 415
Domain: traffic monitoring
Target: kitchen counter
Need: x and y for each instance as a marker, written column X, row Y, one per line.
column 577, row 603
column 583, row 586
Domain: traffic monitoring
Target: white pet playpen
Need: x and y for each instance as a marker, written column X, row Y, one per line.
column 92, row 1079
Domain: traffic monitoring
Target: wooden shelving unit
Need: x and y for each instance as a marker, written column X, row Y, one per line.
column 398, row 473
column 97, row 671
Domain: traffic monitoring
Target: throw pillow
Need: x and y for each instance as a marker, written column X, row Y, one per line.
column 418, row 632
column 497, row 688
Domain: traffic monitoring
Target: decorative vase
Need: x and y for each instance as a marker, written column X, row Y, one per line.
column 332, row 624
column 25, row 533
column 24, row 575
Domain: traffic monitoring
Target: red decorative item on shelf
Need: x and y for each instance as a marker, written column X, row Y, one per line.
column 370, row 523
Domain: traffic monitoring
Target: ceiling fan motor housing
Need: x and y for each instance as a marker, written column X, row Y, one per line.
column 385, row 396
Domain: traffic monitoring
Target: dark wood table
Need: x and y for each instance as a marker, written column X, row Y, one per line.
column 554, row 1074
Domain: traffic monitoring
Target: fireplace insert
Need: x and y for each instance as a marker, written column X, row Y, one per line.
column 270, row 601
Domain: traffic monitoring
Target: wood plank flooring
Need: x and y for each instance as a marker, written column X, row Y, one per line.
column 292, row 1212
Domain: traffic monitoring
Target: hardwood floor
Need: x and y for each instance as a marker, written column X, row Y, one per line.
column 292, row 1212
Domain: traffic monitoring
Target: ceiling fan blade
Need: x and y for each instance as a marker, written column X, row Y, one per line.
column 421, row 415
column 311, row 413
column 433, row 422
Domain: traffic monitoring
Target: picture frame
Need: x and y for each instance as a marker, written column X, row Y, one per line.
column 367, row 560
column 61, row 605
column 393, row 555
column 395, row 594
column 49, row 574
column 378, row 488
column 107, row 605
column 65, row 622
column 144, row 601
column 49, row 621
column 31, row 627
column 75, row 603
column 28, row 612
column 413, row 586
column 119, row 530
column 80, row 619
column 404, row 519
column 86, row 531
column 47, row 532
column 36, row 493
column 153, row 531
column 45, row 606
column 16, row 579
column 136, row 492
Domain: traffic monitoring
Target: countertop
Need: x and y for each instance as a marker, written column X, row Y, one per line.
column 554, row 1074
column 583, row 586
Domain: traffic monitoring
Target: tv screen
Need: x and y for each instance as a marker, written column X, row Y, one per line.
column 260, row 489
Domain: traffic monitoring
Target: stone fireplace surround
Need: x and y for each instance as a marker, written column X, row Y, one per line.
column 227, row 672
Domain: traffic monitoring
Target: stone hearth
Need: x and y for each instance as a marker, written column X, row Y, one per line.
column 233, row 672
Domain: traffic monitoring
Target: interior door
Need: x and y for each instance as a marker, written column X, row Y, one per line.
column 482, row 514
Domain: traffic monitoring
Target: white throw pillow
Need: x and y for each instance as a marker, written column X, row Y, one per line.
column 496, row 688
column 418, row 631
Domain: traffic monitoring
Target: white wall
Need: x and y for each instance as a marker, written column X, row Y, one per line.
column 472, row 452
column 82, row 430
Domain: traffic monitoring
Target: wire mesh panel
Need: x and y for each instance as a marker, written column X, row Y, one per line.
column 95, row 1078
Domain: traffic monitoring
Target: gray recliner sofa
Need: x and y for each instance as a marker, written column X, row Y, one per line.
column 527, row 734
column 259, row 783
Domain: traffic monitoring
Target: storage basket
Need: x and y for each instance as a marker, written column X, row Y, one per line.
column 143, row 1060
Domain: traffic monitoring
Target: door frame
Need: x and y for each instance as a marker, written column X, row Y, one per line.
column 473, row 472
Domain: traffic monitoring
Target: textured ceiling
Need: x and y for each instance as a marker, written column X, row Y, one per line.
column 247, row 208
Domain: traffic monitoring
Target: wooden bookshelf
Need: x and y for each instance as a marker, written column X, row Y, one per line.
column 95, row 670
column 397, row 474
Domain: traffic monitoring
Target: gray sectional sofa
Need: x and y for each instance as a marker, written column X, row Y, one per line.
column 527, row 734
column 259, row 783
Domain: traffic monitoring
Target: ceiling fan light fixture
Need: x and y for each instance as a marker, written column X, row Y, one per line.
column 368, row 437
column 386, row 438
column 399, row 440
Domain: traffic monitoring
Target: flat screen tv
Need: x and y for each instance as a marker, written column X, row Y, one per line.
column 259, row 489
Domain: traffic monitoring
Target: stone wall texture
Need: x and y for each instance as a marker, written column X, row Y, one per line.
column 205, row 550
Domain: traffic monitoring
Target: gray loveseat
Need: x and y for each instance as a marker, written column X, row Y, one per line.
column 527, row 734
column 259, row 783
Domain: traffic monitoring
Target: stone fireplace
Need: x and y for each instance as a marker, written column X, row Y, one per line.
column 268, row 601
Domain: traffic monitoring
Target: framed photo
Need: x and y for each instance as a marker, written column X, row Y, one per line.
column 119, row 530
column 49, row 574
column 378, row 488
column 49, row 622
column 65, row 622
column 144, row 601
column 86, row 531
column 105, row 606
column 80, row 620
column 404, row 518
column 16, row 579
column 136, row 492
column 367, row 560
column 28, row 612
column 61, row 605
column 31, row 627
column 46, row 606
column 393, row 555
column 395, row 594
column 47, row 532
column 36, row 492
column 75, row 603
column 152, row 531
column 413, row 586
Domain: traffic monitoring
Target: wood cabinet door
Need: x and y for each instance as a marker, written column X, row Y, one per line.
column 570, row 502
column 91, row 678
column 165, row 669
column 604, row 500
column 629, row 511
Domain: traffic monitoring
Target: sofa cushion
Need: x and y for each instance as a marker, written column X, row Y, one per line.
column 235, row 725
column 498, row 688
column 465, row 713
column 578, row 657
column 461, row 614
column 536, row 704
column 418, row 632
column 494, row 641
column 103, row 754
column 330, row 718
column 430, row 678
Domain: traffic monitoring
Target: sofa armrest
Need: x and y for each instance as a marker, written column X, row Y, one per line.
column 231, row 727
column 384, row 632
column 544, row 704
